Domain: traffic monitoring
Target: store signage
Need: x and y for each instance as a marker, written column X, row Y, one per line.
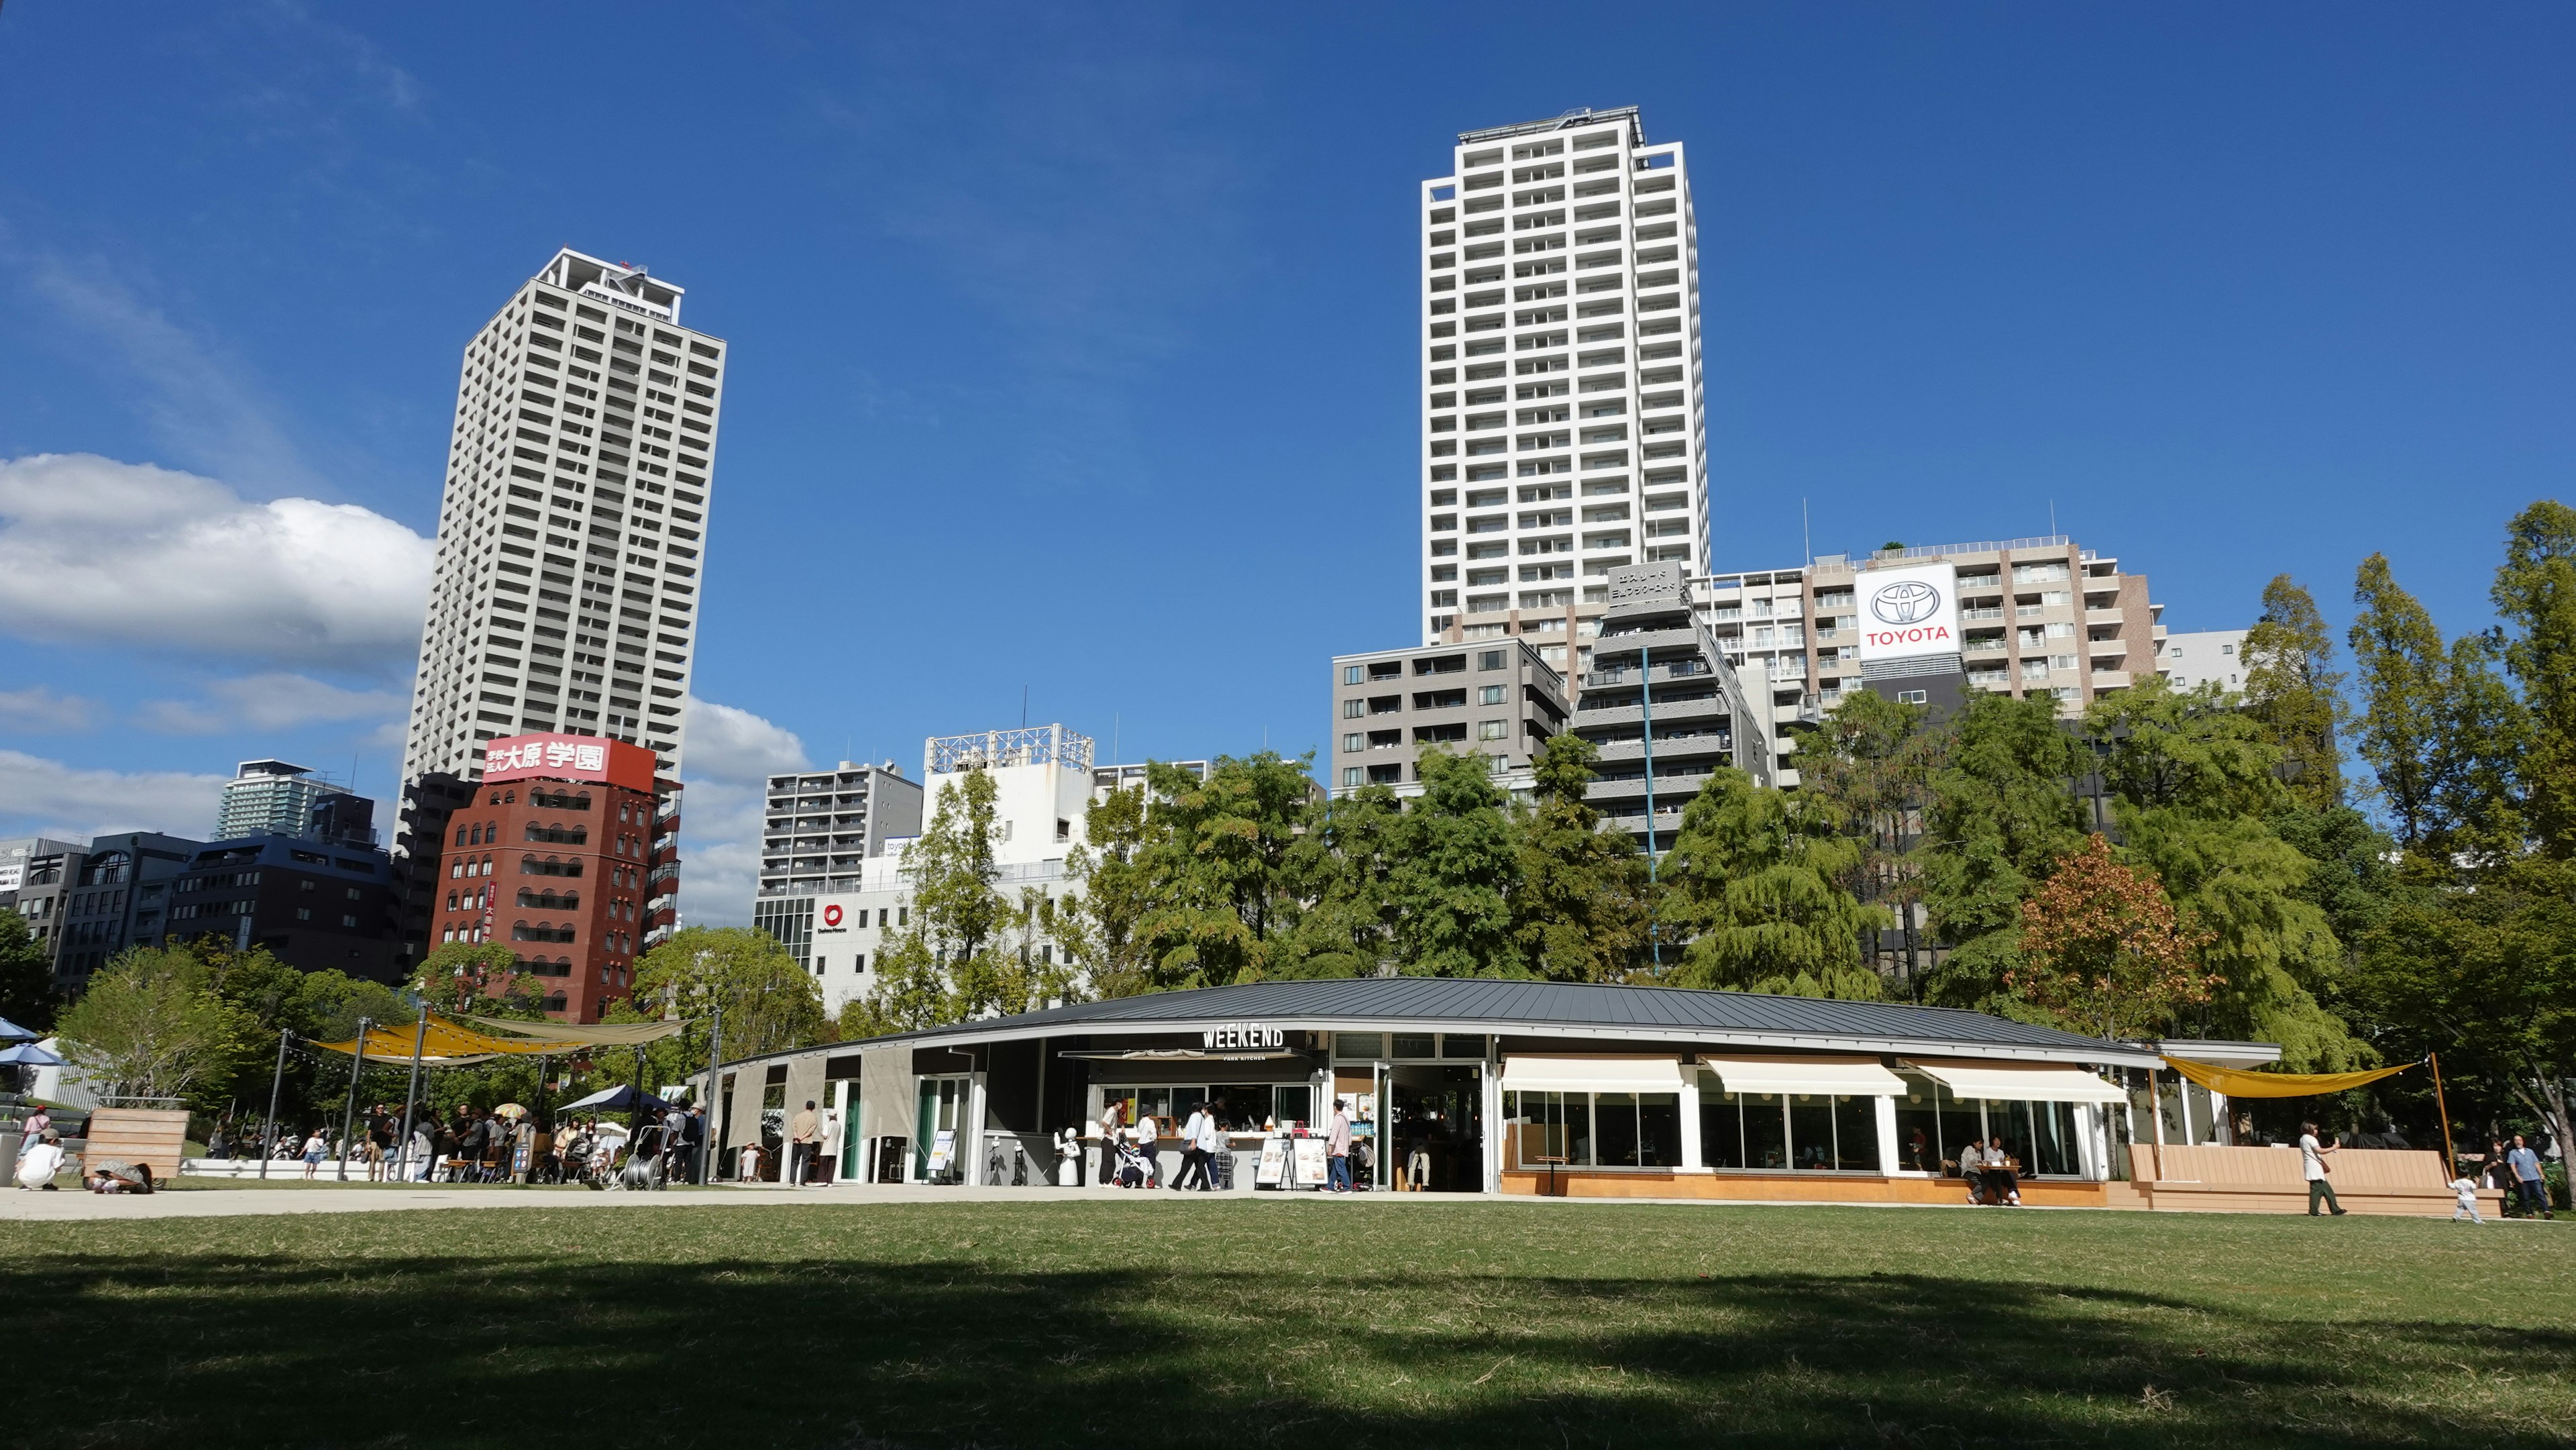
column 569, row 757
column 832, row 914
column 1244, row 1034
column 1905, row 613
column 1646, row 584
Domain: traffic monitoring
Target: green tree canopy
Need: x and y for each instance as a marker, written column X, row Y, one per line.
column 2003, row 812
column 769, row 1003
column 1755, row 877
column 1581, row 911
column 1456, row 869
column 2293, row 692
column 26, row 975
column 2535, row 595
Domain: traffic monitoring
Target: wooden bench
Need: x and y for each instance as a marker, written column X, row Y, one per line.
column 154, row 1138
column 2212, row 1178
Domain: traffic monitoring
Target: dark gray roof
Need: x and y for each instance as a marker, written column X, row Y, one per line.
column 1544, row 1009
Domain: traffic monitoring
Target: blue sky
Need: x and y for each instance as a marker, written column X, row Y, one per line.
column 1073, row 348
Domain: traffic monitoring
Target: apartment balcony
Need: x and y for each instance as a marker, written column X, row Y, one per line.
column 2114, row 648
column 1699, row 741
column 1685, row 670
column 1675, row 713
column 1671, row 788
column 2112, row 615
column 2110, row 679
column 1679, row 639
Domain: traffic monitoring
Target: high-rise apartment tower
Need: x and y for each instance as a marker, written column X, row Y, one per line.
column 1561, row 421
column 566, row 588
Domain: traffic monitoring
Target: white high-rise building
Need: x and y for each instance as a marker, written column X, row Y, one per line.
column 566, row 590
column 1562, row 422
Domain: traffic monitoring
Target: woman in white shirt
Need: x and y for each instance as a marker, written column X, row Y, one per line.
column 1145, row 1134
column 41, row 1160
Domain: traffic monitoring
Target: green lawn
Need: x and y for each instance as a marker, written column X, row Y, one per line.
column 1292, row 1323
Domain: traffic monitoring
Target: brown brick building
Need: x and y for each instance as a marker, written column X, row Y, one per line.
column 568, row 854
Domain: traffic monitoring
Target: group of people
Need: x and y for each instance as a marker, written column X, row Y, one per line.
column 1129, row 1156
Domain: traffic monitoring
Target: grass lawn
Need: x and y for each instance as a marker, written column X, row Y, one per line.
column 1292, row 1323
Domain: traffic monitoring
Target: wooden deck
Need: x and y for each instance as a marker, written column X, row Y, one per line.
column 1790, row 1187
column 2208, row 1178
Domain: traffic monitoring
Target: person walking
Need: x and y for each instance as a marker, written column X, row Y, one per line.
column 803, row 1131
column 1111, row 1120
column 1211, row 1141
column 1337, row 1139
column 2312, row 1165
column 1147, row 1132
column 314, row 1148
column 1193, row 1162
column 2465, row 1189
column 2527, row 1182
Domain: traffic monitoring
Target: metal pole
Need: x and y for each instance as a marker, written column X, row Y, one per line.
column 1646, row 714
column 349, row 1112
column 411, row 1094
column 268, row 1135
column 714, row 1129
column 2450, row 1157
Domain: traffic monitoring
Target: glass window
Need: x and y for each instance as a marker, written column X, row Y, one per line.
column 1614, row 1129
column 2043, row 1137
column 1489, row 694
column 1918, row 1126
column 1539, row 1127
column 1659, row 1130
column 1354, row 674
column 1766, row 1131
column 1491, row 659
column 1359, row 1044
column 1961, row 1125
column 1721, row 1126
column 1352, row 775
column 1856, row 1134
column 1413, row 1044
column 1293, row 1103
column 1453, row 1044
column 1811, row 1130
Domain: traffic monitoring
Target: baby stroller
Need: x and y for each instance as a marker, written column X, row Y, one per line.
column 1135, row 1170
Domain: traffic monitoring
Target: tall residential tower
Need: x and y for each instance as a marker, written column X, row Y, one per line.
column 565, row 593
column 1562, row 422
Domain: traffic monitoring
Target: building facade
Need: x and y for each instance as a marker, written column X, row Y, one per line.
column 311, row 904
column 565, row 592
column 2036, row 616
column 89, row 904
column 566, row 853
column 272, row 797
column 1664, row 706
column 1562, row 421
column 1043, row 789
column 2202, row 657
column 1496, row 698
column 821, row 827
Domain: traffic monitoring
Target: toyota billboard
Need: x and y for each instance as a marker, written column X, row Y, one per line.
column 1907, row 613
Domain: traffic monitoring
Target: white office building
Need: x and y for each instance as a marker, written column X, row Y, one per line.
column 566, row 588
column 271, row 796
column 1043, row 790
column 1562, row 422
column 2203, row 657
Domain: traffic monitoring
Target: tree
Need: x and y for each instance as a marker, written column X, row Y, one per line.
column 1874, row 758
column 484, row 978
column 1342, row 871
column 148, row 1026
column 2293, row 692
column 769, row 1003
column 2398, row 655
column 935, row 969
column 26, row 975
column 2195, row 788
column 2535, row 595
column 1755, row 877
column 1097, row 921
column 1455, row 871
column 1217, row 867
column 1581, row 912
column 2003, row 812
column 2104, row 952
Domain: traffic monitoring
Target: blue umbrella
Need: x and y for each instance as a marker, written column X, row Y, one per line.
column 12, row 1032
column 28, row 1054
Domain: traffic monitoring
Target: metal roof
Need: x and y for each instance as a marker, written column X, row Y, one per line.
column 1549, row 1009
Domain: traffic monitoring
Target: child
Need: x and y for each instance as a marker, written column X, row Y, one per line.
column 2467, row 1188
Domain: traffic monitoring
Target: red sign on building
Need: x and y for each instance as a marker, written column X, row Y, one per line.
column 569, row 757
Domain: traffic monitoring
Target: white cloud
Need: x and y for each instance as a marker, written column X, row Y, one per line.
column 97, row 551
column 47, row 797
column 271, row 701
column 41, row 710
column 729, row 756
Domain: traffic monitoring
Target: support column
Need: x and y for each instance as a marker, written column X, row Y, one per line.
column 1888, row 1160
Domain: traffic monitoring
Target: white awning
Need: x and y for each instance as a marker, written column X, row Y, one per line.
column 2020, row 1081
column 1593, row 1074
column 1850, row 1076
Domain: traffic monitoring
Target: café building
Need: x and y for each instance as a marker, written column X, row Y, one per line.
column 1468, row 1086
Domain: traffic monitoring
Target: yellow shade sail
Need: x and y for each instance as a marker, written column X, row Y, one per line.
column 446, row 1041
column 2237, row 1083
column 596, row 1034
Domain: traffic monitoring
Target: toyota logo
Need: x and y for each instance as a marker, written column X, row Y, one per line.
column 832, row 915
column 1907, row 601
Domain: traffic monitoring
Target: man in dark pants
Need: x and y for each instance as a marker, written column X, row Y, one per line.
column 693, row 1138
column 2312, row 1164
column 2527, row 1182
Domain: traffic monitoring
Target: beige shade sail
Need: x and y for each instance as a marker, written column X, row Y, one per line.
column 2040, row 1082
column 1593, row 1074
column 598, row 1034
column 1843, row 1076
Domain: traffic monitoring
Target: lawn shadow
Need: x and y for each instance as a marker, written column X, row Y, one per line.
column 519, row 1348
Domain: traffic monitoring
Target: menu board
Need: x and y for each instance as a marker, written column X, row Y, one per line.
column 1273, row 1172
column 943, row 1151
column 1311, row 1172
